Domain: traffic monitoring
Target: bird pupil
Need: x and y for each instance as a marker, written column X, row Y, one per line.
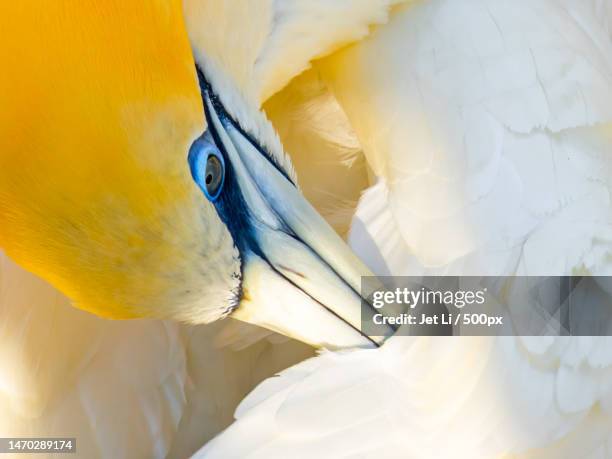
column 209, row 179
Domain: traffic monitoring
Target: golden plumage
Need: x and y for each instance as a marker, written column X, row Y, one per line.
column 100, row 103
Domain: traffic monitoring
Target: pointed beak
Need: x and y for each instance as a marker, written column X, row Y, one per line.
column 299, row 278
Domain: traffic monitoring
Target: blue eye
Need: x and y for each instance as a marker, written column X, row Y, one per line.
column 207, row 166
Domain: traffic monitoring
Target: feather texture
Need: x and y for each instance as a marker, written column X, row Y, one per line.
column 119, row 387
column 322, row 146
column 488, row 127
column 128, row 389
column 249, row 67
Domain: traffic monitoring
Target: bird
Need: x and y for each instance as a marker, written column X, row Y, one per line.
column 141, row 179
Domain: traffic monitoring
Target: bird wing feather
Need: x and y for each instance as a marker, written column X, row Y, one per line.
column 118, row 387
column 488, row 127
column 257, row 59
column 141, row 388
column 323, row 147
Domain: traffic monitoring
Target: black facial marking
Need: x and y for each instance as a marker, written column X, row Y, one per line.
column 225, row 117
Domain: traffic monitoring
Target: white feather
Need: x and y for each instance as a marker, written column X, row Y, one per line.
column 489, row 126
column 119, row 387
column 122, row 388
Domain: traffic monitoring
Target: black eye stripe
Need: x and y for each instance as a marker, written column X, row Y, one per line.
column 225, row 117
column 230, row 203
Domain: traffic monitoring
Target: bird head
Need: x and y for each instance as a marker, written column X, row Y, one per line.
column 144, row 185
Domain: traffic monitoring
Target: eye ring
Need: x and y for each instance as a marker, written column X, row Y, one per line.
column 207, row 167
